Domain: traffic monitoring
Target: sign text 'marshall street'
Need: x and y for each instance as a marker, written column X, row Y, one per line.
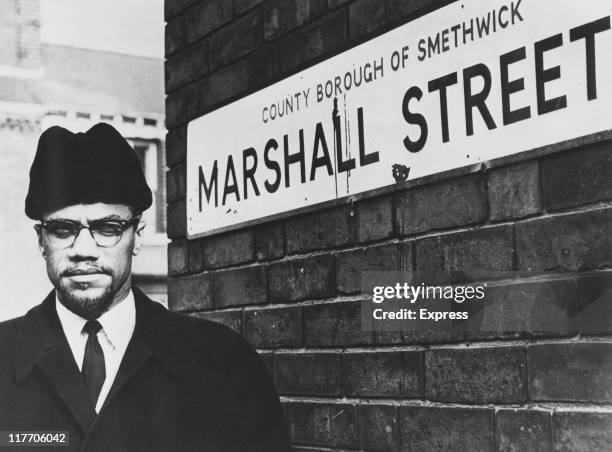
column 465, row 84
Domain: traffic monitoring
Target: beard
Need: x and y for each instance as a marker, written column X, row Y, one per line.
column 86, row 299
column 88, row 306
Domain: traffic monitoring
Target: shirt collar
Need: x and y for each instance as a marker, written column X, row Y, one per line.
column 117, row 323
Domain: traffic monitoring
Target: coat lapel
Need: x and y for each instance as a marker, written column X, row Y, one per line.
column 59, row 366
column 141, row 347
column 143, row 344
column 41, row 343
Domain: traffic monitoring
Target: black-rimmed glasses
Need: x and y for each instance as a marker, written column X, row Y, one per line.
column 106, row 233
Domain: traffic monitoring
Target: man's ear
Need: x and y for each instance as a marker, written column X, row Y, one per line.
column 41, row 246
column 139, row 237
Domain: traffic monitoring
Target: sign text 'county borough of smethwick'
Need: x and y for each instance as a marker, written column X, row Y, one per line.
column 472, row 81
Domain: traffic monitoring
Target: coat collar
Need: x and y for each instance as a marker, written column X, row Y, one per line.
column 41, row 342
column 41, row 331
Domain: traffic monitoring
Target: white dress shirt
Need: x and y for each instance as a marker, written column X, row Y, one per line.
column 117, row 327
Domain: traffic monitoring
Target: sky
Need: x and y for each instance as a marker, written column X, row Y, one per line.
column 135, row 27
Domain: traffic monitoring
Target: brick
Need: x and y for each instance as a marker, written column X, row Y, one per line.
column 190, row 293
column 323, row 424
column 317, row 449
column 334, row 324
column 263, row 65
column 219, row 87
column 374, row 219
column 299, row 279
column 577, row 177
column 580, row 372
column 227, row 83
column 379, row 428
column 205, row 17
column 333, row 4
column 383, row 374
column 175, row 108
column 582, row 431
column 434, row 334
column 270, row 241
column 228, row 249
column 281, row 16
column 365, row 16
column 199, row 98
column 237, row 39
column 488, row 249
column 401, row 10
column 173, row 7
column 176, row 146
column 523, row 430
column 196, row 256
column 240, row 286
column 576, row 241
column 231, row 319
column 244, row 5
column 530, row 308
column 320, row 230
column 186, row 66
column 447, row 204
column 445, row 429
column 594, row 310
column 176, row 220
column 175, row 183
column 178, row 257
column 174, row 35
column 317, row 39
column 514, row 191
column 350, row 264
column 276, row 327
column 478, row 375
column 307, row 374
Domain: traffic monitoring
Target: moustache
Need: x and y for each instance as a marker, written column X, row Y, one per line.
column 89, row 270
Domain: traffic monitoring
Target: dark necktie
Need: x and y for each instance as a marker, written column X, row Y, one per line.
column 93, row 361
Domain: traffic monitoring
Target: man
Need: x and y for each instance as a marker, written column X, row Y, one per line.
column 98, row 364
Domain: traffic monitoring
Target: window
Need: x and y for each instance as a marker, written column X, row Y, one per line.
column 153, row 163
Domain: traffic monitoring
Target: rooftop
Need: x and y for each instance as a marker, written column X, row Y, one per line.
column 97, row 79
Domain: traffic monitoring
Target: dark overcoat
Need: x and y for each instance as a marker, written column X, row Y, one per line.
column 184, row 384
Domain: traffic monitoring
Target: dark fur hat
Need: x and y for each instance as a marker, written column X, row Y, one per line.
column 85, row 168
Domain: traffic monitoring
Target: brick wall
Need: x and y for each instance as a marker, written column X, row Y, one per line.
column 291, row 287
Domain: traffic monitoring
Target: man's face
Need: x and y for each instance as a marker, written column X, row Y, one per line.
column 90, row 278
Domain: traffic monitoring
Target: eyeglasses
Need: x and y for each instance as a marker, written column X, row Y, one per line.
column 106, row 233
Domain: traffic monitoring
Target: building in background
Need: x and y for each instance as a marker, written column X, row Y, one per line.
column 45, row 84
